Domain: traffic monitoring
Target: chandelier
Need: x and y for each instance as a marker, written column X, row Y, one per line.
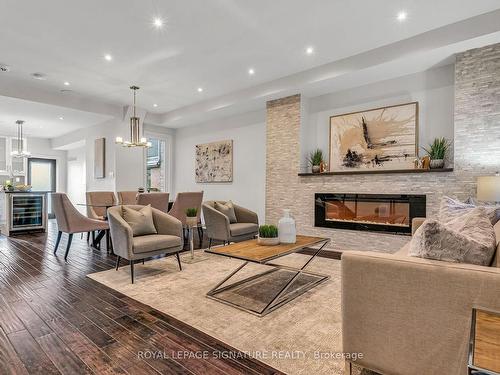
column 135, row 130
column 20, row 152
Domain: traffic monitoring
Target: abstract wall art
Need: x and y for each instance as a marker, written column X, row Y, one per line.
column 214, row 162
column 377, row 139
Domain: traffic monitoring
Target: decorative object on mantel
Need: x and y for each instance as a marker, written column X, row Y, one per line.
column 214, row 162
column 437, row 152
column 99, row 157
column 377, row 171
column 136, row 138
column 20, row 152
column 377, row 139
column 316, row 160
column 488, row 188
column 286, row 228
column 268, row 235
column 191, row 217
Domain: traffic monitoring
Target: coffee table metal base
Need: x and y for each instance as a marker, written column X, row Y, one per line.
column 299, row 281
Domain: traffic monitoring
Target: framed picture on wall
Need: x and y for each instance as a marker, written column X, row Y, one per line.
column 214, row 162
column 99, row 157
column 377, row 139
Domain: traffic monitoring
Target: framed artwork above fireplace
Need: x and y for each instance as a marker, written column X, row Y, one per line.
column 377, row 139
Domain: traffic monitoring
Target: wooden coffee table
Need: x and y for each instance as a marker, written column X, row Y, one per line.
column 264, row 292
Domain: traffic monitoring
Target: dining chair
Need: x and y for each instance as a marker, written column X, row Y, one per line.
column 70, row 220
column 185, row 200
column 96, row 199
column 127, row 197
column 156, row 200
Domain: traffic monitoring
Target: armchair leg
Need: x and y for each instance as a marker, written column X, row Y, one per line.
column 59, row 234
column 70, row 238
column 132, row 270
column 118, row 258
column 88, row 237
column 178, row 261
column 200, row 235
column 209, row 243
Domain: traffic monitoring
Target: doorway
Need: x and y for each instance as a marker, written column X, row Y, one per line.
column 42, row 177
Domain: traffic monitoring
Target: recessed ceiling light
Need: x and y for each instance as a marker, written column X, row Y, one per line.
column 402, row 16
column 39, row 76
column 61, row 118
column 155, row 105
column 309, row 50
column 158, row 22
column 108, row 57
column 251, row 71
column 200, row 89
column 66, row 83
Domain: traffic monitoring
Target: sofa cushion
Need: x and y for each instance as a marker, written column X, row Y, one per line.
column 154, row 242
column 141, row 221
column 469, row 238
column 227, row 209
column 452, row 208
column 240, row 229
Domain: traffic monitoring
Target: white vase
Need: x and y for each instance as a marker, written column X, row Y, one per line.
column 286, row 228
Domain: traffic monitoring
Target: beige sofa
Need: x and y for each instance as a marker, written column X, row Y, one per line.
column 412, row 316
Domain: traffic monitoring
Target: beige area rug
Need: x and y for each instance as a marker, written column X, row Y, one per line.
column 308, row 327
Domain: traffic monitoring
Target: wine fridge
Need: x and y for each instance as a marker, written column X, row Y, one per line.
column 27, row 212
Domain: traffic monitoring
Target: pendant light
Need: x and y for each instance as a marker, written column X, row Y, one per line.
column 135, row 130
column 20, row 153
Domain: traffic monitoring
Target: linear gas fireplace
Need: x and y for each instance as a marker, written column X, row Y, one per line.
column 391, row 213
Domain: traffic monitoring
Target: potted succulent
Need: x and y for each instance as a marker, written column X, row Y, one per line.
column 316, row 159
column 437, row 151
column 192, row 217
column 268, row 235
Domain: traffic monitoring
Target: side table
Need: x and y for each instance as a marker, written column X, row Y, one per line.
column 484, row 344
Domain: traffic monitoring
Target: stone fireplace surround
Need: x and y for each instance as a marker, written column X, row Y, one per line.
column 476, row 153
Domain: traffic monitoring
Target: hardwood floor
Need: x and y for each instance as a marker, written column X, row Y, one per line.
column 54, row 320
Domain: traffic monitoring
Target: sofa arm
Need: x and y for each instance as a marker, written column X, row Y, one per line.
column 167, row 224
column 416, row 223
column 244, row 215
column 217, row 223
column 121, row 233
column 411, row 316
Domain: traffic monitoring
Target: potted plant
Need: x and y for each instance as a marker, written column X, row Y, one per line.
column 268, row 235
column 192, row 217
column 316, row 159
column 437, row 151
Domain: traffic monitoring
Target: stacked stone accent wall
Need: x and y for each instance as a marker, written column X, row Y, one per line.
column 476, row 153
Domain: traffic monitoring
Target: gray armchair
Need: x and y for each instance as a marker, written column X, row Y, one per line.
column 168, row 239
column 219, row 227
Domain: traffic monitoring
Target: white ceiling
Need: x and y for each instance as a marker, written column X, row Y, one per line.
column 209, row 44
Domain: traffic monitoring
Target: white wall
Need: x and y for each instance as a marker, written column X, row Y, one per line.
column 249, row 160
column 76, row 185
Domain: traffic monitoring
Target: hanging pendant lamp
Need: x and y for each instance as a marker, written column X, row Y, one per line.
column 20, row 152
column 135, row 130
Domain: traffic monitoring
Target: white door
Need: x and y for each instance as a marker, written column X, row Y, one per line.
column 77, row 183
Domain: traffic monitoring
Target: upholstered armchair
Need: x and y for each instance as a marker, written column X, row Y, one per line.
column 71, row 221
column 168, row 239
column 185, row 200
column 220, row 228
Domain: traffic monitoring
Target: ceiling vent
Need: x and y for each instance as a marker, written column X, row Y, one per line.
column 4, row 68
column 39, row 76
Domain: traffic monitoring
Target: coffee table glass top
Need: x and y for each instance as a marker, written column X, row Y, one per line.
column 251, row 251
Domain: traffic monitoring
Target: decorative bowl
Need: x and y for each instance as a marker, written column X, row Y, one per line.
column 23, row 187
column 272, row 241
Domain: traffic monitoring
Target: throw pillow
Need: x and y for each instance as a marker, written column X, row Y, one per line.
column 490, row 205
column 141, row 221
column 452, row 208
column 227, row 209
column 466, row 239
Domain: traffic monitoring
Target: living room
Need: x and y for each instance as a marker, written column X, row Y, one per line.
column 203, row 188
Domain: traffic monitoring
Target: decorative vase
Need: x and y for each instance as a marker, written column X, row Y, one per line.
column 316, row 168
column 437, row 163
column 286, row 228
column 268, row 241
column 191, row 221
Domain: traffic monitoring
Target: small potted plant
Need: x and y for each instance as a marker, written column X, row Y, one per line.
column 192, row 217
column 8, row 186
column 268, row 235
column 437, row 151
column 316, row 159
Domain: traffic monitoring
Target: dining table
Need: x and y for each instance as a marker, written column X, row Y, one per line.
column 96, row 240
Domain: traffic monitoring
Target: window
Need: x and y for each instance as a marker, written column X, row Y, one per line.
column 156, row 165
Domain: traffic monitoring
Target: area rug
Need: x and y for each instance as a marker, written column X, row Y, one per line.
column 301, row 337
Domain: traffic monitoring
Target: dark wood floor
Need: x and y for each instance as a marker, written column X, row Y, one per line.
column 53, row 320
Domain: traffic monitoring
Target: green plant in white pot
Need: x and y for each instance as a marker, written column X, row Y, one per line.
column 192, row 217
column 315, row 159
column 268, row 235
column 437, row 152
